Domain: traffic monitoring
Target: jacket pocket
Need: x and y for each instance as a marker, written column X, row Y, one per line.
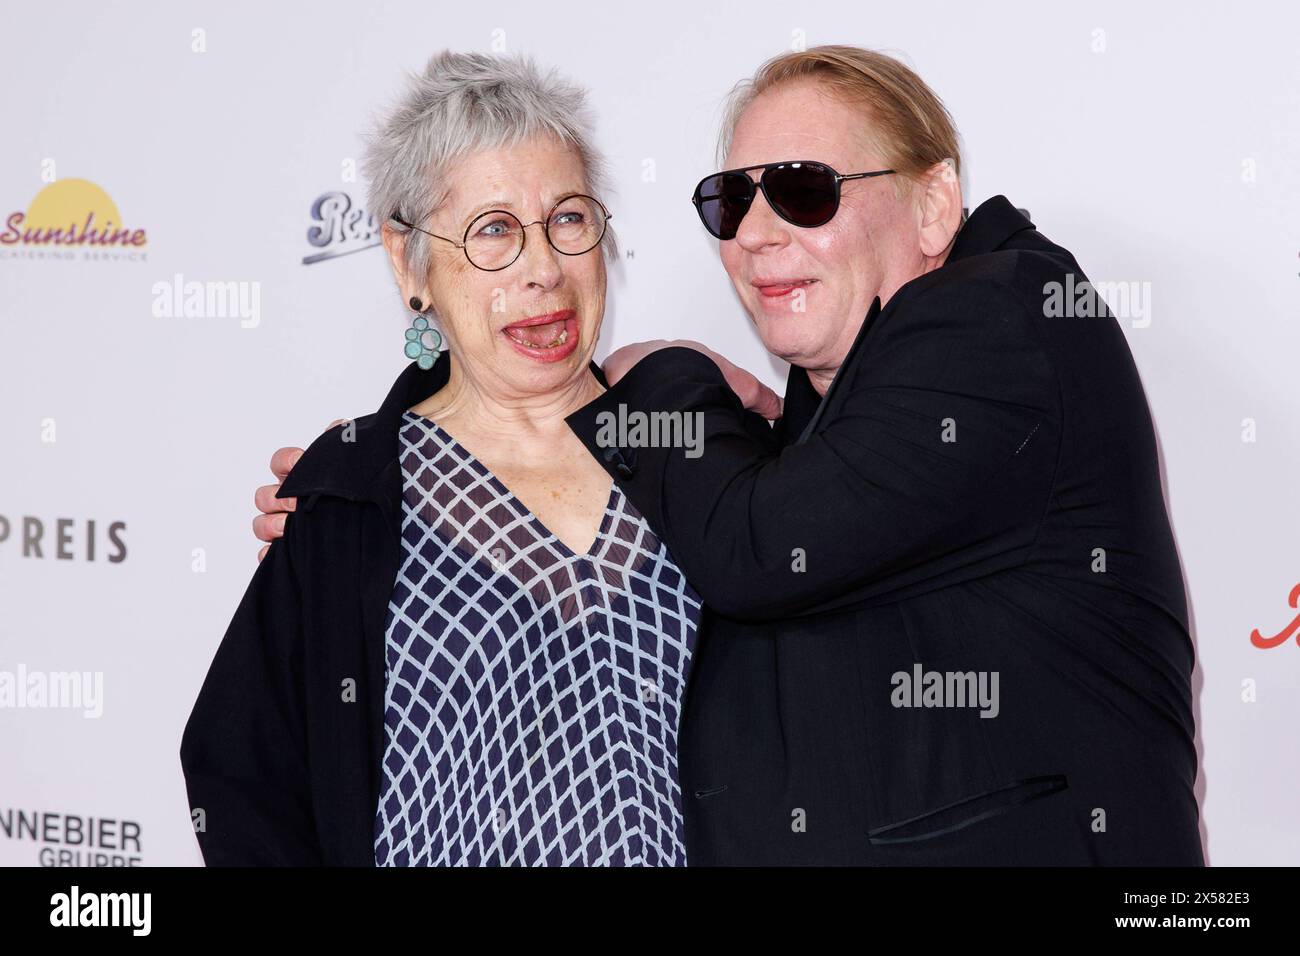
column 933, row 763
column 968, row 810
column 707, row 792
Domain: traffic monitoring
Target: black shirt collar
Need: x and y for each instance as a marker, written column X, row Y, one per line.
column 988, row 228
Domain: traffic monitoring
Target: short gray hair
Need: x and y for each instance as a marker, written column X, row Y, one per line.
column 459, row 104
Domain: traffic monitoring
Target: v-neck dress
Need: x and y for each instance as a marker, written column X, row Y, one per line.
column 533, row 695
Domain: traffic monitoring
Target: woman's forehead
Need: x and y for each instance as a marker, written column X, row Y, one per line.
column 513, row 177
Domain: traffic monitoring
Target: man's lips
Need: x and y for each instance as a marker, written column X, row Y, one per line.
column 774, row 288
column 547, row 338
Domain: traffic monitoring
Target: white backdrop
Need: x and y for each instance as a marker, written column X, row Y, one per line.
column 1159, row 144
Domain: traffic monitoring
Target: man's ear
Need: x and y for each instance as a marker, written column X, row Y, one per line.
column 395, row 246
column 940, row 208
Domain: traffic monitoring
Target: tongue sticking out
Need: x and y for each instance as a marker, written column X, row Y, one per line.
column 538, row 336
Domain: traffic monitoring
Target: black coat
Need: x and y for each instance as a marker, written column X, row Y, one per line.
column 979, row 491
column 283, row 749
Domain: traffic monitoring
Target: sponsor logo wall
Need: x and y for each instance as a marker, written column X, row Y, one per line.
column 189, row 280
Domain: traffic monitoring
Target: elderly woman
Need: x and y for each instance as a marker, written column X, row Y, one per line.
column 467, row 647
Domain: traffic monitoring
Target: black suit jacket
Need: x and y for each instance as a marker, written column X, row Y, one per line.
column 978, row 494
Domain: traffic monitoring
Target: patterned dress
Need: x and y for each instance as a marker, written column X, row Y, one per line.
column 533, row 694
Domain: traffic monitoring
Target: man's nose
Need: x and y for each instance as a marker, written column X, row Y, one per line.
column 761, row 227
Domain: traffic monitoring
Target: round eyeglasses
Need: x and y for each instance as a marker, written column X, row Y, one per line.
column 494, row 239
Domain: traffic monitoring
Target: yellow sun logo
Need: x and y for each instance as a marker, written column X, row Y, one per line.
column 71, row 212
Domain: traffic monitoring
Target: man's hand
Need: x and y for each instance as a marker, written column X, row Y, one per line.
column 753, row 394
column 269, row 525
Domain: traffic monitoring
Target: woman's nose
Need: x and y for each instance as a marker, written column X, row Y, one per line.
column 540, row 262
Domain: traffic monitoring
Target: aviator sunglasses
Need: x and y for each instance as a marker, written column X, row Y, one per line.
column 802, row 192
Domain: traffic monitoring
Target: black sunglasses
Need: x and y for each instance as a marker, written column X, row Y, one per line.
column 802, row 192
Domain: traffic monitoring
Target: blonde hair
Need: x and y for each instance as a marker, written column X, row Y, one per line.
column 905, row 120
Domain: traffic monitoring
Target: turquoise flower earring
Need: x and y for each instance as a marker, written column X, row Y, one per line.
column 423, row 343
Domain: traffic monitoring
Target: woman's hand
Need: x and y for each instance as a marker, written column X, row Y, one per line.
column 269, row 525
column 753, row 394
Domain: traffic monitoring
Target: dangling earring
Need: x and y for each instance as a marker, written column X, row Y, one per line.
column 416, row 348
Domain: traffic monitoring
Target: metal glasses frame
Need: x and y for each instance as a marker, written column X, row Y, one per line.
column 545, row 223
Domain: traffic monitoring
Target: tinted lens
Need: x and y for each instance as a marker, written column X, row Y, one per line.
column 803, row 193
column 723, row 199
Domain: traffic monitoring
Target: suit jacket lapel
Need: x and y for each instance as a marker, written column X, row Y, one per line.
column 854, row 349
column 986, row 229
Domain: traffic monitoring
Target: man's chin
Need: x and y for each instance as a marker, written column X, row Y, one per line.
column 783, row 342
